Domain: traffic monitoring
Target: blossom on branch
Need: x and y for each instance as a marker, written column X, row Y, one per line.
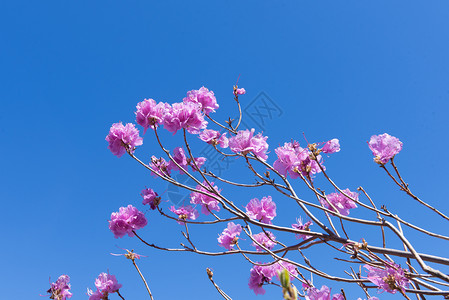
column 384, row 147
column 182, row 160
column 293, row 159
column 60, row 290
column 150, row 114
column 208, row 203
column 185, row 212
column 322, row 294
column 106, row 284
column 268, row 240
column 160, row 166
column 390, row 279
column 263, row 210
column 228, row 237
column 186, row 115
column 300, row 226
column 126, row 220
column 245, row 142
column 258, row 276
column 341, row 202
column 123, row 138
column 214, row 137
column 205, row 98
column 331, row 146
column 150, row 197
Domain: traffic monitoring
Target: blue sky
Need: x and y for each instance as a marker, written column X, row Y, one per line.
column 69, row 69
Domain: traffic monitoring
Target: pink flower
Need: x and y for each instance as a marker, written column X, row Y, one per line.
column 293, row 159
column 186, row 115
column 214, row 137
column 268, row 241
column 204, row 98
column 390, row 279
column 240, row 91
column 384, row 147
column 263, row 211
column 207, row 203
column 258, row 276
column 245, row 142
column 126, row 220
column 342, row 203
column 60, row 290
column 150, row 114
column 122, row 138
column 107, row 283
column 160, row 166
column 331, row 146
column 228, row 237
column 185, row 212
column 97, row 295
column 323, row 294
column 278, row 267
column 184, row 161
column 300, row 226
column 150, row 197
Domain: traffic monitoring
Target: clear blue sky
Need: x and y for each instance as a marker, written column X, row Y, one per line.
column 69, row 69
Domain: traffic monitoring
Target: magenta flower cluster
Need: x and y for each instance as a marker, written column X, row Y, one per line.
column 126, row 220
column 149, row 114
column 390, row 279
column 300, row 226
column 266, row 239
column 106, row 284
column 259, row 275
column 384, row 147
column 292, row 160
column 312, row 293
column 60, row 290
column 341, row 202
column 150, row 197
column 185, row 212
column 183, row 161
column 263, row 210
column 245, row 142
column 123, row 138
column 205, row 98
column 205, row 198
column 214, row 137
column 228, row 238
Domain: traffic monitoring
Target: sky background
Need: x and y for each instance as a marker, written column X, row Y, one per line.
column 69, row 69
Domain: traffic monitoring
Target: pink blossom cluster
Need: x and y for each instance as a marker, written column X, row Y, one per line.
column 312, row 293
column 60, row 290
column 149, row 114
column 185, row 212
column 292, row 160
column 245, row 142
column 300, row 226
column 126, row 220
column 263, row 210
column 266, row 239
column 390, row 279
column 183, row 161
column 160, row 167
column 205, row 198
column 150, row 197
column 214, row 137
column 259, row 275
column 185, row 115
column 228, row 238
column 123, row 138
column 384, row 147
column 106, row 284
column 205, row 98
column 341, row 202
